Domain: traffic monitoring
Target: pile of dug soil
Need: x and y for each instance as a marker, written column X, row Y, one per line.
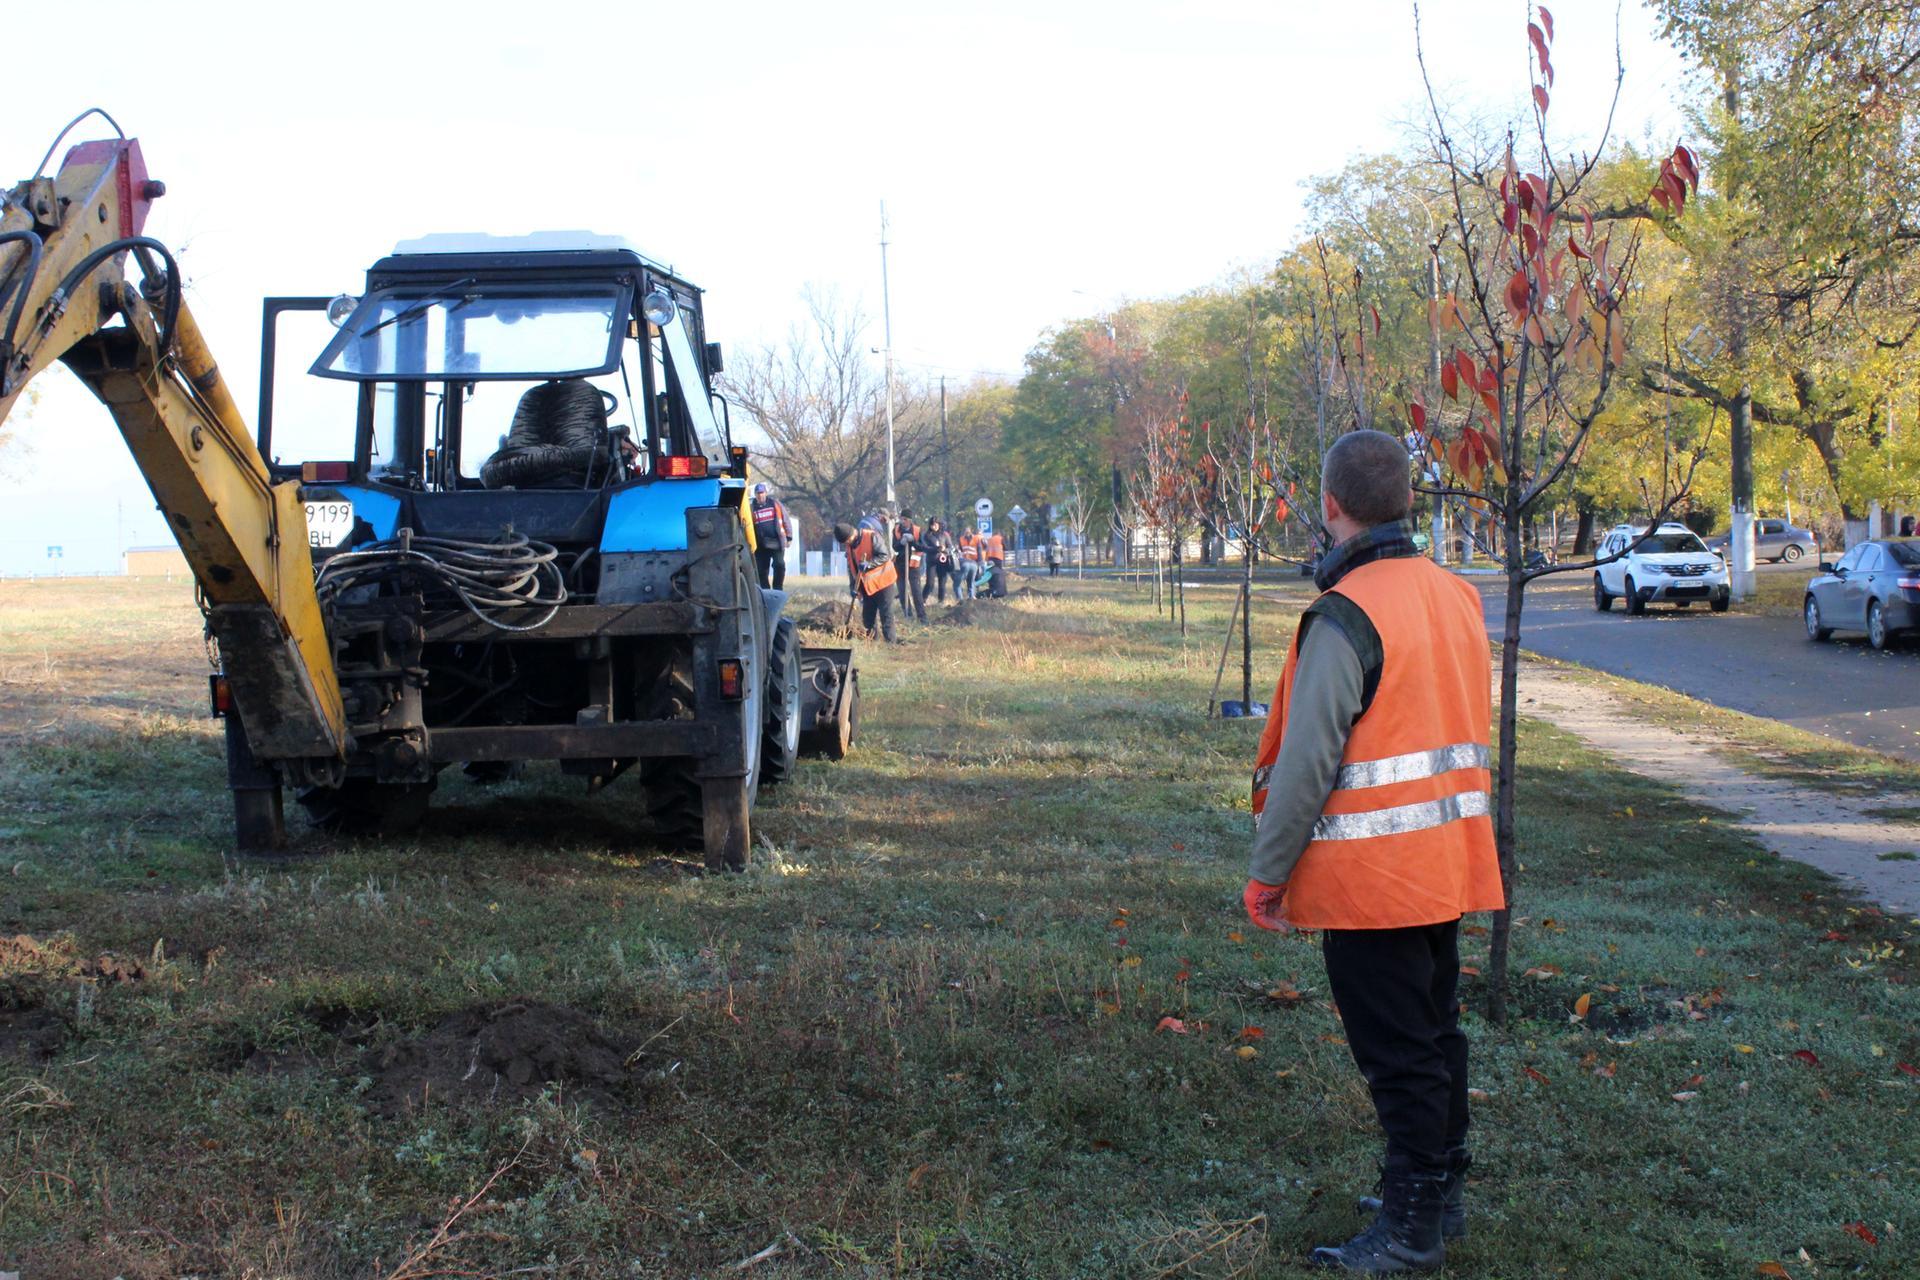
column 966, row 613
column 503, row 1049
column 24, row 954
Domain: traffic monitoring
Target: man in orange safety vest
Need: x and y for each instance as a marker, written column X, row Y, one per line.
column 1370, row 796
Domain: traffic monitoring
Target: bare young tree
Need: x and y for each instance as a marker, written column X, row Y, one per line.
column 820, row 401
column 1538, row 327
column 1076, row 512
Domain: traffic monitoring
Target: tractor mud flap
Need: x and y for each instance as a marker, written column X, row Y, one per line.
column 829, row 701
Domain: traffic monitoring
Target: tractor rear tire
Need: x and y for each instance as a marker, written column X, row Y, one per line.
column 780, row 744
column 673, row 800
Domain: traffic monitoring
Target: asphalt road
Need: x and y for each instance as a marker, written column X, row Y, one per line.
column 1759, row 665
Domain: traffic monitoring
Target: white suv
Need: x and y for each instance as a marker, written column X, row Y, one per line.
column 1669, row 565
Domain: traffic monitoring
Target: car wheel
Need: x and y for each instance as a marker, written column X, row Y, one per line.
column 1811, row 611
column 1601, row 600
column 1792, row 552
column 1721, row 600
column 1876, row 625
column 1635, row 605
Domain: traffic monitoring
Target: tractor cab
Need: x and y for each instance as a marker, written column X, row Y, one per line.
column 482, row 383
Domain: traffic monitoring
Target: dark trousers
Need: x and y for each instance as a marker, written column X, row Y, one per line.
column 772, row 563
column 913, row 599
column 877, row 607
column 935, row 581
column 1397, row 994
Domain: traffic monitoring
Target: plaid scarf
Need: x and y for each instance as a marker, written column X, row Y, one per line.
column 1381, row 542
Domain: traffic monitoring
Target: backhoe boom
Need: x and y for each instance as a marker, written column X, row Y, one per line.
column 64, row 244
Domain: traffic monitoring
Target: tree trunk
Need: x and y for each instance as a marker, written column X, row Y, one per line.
column 1179, row 586
column 1822, row 434
column 1504, row 787
column 1583, row 532
column 1246, row 633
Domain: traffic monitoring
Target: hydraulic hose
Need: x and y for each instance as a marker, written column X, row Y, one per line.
column 170, row 312
column 33, row 243
column 90, row 111
column 515, row 572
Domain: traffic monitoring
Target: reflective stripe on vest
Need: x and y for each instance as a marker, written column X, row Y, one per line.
column 1401, row 819
column 1410, row 767
column 1413, row 765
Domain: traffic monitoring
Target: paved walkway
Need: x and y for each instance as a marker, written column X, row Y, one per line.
column 1835, row 833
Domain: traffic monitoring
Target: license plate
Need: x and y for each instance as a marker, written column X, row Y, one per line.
column 328, row 524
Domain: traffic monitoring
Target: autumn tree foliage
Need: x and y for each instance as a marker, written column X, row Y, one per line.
column 1536, row 333
column 1803, row 266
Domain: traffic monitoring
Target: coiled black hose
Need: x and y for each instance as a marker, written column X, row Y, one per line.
column 512, row 573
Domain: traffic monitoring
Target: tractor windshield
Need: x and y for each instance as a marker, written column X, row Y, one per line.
column 467, row 331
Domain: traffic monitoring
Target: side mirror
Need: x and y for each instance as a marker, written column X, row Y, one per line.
column 716, row 363
column 1826, row 566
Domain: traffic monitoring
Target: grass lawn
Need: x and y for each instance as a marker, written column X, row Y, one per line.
column 1780, row 593
column 917, row 1039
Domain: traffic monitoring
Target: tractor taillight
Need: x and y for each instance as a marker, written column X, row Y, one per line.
column 220, row 694
column 677, row 466
column 733, row 680
column 325, row 472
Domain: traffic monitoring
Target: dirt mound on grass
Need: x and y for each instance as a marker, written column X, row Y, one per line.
column 967, row 613
column 823, row 617
column 500, row 1050
column 58, row 958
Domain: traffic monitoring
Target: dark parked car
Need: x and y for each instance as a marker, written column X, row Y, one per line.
column 1773, row 540
column 1875, row 588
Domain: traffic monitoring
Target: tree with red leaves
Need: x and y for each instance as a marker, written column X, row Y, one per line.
column 1535, row 334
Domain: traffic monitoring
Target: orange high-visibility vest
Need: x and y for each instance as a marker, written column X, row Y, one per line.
column 872, row 563
column 969, row 547
column 1406, row 837
column 996, row 549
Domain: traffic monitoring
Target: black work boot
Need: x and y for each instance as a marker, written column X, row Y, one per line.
column 1404, row 1237
column 1453, row 1203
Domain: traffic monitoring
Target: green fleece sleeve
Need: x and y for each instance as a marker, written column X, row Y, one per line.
column 1327, row 697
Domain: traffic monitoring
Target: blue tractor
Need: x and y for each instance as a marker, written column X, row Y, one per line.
column 528, row 527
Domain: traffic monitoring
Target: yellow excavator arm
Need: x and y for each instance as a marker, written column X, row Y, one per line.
column 65, row 241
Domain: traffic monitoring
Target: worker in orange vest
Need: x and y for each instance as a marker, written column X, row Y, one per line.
column 967, row 571
column 906, row 554
column 1370, row 796
column 870, row 572
column 994, row 551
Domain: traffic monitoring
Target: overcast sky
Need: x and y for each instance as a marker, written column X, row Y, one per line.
column 1040, row 159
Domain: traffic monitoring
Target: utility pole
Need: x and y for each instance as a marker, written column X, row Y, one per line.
column 886, row 313
column 946, row 459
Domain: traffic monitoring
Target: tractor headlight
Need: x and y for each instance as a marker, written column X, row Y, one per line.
column 340, row 308
column 658, row 308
